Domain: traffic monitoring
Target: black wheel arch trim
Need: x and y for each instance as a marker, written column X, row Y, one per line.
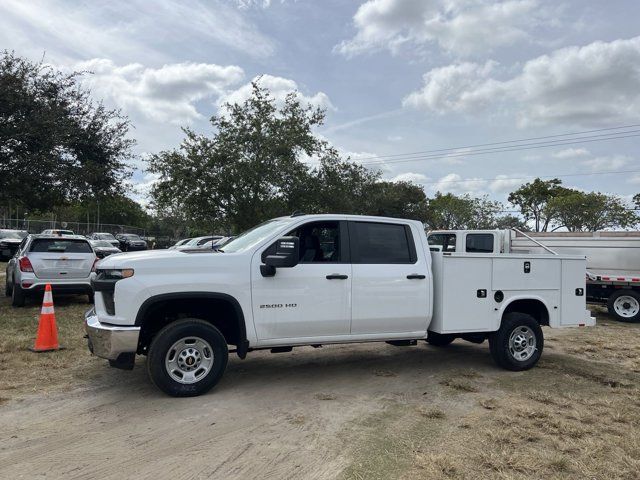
column 243, row 343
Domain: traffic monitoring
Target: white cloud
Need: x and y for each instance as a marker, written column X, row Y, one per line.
column 596, row 84
column 503, row 183
column 460, row 27
column 136, row 29
column 453, row 88
column 279, row 87
column 418, row 178
column 246, row 4
column 606, row 163
column 454, row 183
column 165, row 94
column 571, row 153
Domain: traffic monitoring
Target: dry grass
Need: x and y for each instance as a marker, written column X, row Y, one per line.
column 22, row 371
column 576, row 416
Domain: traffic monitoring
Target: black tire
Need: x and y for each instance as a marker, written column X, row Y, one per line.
column 165, row 340
column 17, row 296
column 619, row 312
column 521, row 324
column 92, row 297
column 7, row 287
column 439, row 339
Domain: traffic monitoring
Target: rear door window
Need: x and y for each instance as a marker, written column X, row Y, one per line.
column 479, row 243
column 445, row 240
column 379, row 243
column 60, row 245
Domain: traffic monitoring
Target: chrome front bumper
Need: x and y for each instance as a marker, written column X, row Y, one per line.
column 109, row 341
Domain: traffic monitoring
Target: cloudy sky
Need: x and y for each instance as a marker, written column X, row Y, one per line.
column 396, row 77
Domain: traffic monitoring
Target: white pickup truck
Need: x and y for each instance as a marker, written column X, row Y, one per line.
column 324, row 279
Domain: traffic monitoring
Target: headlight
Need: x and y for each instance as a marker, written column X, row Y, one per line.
column 114, row 274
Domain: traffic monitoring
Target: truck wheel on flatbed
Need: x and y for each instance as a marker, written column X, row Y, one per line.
column 625, row 305
column 187, row 358
column 439, row 339
column 519, row 342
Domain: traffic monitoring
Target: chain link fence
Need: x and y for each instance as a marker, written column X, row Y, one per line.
column 82, row 228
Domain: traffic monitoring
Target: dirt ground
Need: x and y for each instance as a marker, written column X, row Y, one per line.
column 370, row 411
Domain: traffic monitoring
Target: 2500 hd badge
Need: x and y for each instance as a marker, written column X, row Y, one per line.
column 279, row 305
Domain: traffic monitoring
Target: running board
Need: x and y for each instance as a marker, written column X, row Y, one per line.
column 402, row 343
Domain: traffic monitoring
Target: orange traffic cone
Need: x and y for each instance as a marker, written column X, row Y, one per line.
column 47, row 339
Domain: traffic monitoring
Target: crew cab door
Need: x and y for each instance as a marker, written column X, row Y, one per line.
column 311, row 299
column 391, row 279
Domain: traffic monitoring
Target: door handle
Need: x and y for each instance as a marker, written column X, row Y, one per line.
column 337, row 276
column 415, row 276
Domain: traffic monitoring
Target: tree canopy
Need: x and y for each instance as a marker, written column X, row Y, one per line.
column 56, row 144
column 264, row 160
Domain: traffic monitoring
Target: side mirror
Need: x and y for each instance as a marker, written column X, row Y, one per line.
column 287, row 255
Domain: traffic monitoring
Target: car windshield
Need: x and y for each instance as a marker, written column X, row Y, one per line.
column 14, row 234
column 60, row 245
column 104, row 236
column 254, row 236
column 131, row 236
column 101, row 243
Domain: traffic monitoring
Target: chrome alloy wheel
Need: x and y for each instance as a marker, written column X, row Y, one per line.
column 189, row 360
column 626, row 306
column 522, row 343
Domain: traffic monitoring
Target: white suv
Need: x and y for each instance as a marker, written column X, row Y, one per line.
column 64, row 262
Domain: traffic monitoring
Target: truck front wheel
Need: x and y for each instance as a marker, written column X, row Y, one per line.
column 519, row 342
column 187, row 358
column 625, row 305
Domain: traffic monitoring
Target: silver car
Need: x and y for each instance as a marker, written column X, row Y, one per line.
column 197, row 242
column 64, row 262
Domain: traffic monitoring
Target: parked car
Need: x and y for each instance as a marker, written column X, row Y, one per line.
column 104, row 248
column 56, row 231
column 325, row 279
column 64, row 262
column 106, row 237
column 198, row 242
column 179, row 243
column 215, row 244
column 10, row 241
column 130, row 242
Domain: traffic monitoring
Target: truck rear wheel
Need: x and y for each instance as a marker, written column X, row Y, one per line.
column 624, row 305
column 519, row 342
column 187, row 358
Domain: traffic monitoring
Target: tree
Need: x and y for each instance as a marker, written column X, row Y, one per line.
column 252, row 169
column 579, row 211
column 510, row 221
column 399, row 200
column 56, row 145
column 533, row 199
column 452, row 212
column 249, row 171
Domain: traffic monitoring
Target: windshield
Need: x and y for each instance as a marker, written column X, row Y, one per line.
column 131, row 236
column 60, row 245
column 104, row 236
column 101, row 243
column 15, row 234
column 254, row 236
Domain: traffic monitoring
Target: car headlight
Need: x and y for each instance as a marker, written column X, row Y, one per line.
column 114, row 273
